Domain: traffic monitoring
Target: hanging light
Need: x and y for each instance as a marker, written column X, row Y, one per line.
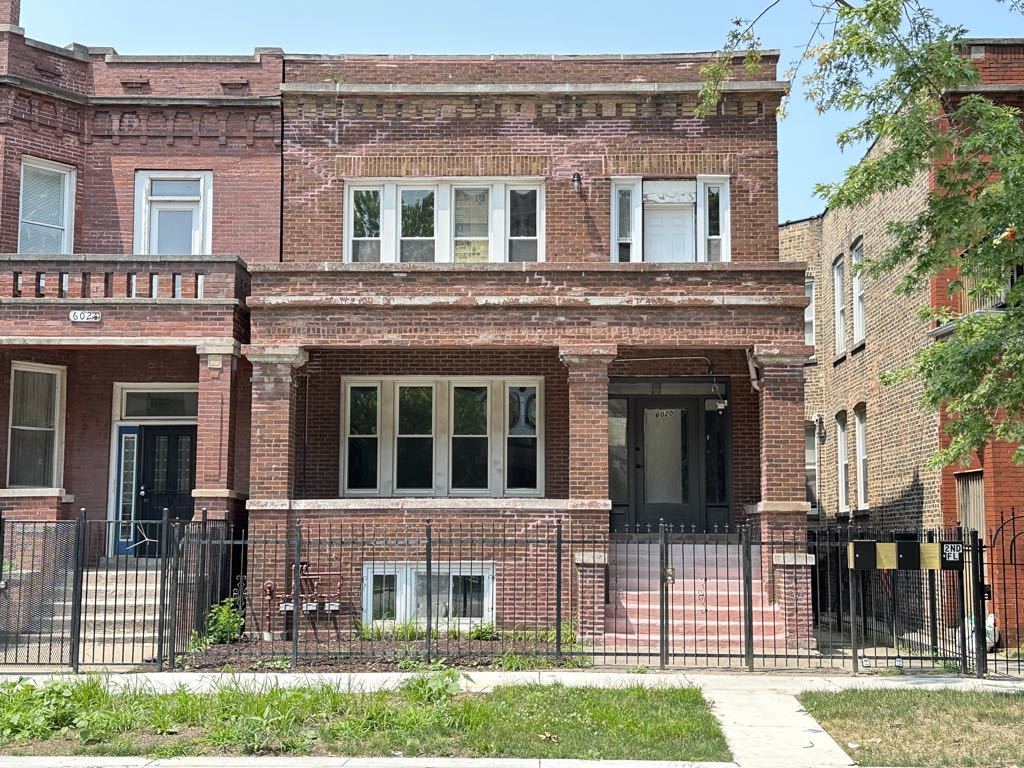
column 577, row 182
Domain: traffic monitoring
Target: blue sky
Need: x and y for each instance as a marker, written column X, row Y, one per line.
column 806, row 141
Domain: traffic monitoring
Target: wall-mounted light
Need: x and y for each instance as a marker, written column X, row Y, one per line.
column 577, row 182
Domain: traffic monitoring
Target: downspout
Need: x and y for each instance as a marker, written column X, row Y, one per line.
column 755, row 377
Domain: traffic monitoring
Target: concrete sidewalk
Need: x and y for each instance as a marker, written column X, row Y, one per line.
column 763, row 722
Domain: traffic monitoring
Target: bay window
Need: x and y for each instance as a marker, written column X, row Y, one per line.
column 35, row 435
column 442, row 437
column 461, row 221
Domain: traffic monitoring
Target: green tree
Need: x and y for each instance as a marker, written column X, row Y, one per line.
column 903, row 77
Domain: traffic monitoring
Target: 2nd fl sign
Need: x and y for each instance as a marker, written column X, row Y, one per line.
column 85, row 316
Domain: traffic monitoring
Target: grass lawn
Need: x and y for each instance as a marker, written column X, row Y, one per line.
column 428, row 716
column 924, row 728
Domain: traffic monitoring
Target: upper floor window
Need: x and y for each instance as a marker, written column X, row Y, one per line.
column 46, row 222
column 458, row 221
column 35, row 434
column 676, row 221
column 860, row 422
column 839, row 301
column 173, row 212
column 442, row 437
column 842, row 463
column 811, row 464
column 857, row 256
column 809, row 312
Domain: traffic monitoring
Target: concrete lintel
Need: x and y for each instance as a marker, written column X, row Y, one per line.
column 779, row 87
column 526, row 300
column 232, row 348
column 106, row 341
column 782, row 507
column 141, row 301
column 587, row 354
column 217, row 493
column 530, row 267
column 31, row 493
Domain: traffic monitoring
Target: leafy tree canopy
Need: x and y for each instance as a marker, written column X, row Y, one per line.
column 905, row 79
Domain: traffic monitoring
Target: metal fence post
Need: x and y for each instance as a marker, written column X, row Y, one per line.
column 202, row 578
column 77, row 589
column 176, row 567
column 748, row 596
column 558, row 592
column 962, row 607
column 663, row 595
column 430, row 596
column 978, row 574
column 933, row 606
column 854, row 589
column 162, row 613
column 296, row 594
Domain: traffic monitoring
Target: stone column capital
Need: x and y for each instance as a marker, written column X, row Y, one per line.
column 782, row 357
column 587, row 355
column 227, row 347
column 296, row 357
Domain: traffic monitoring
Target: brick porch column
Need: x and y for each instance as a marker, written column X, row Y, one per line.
column 216, row 435
column 587, row 367
column 782, row 511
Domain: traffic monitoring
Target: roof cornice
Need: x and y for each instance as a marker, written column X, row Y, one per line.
column 84, row 99
column 780, row 87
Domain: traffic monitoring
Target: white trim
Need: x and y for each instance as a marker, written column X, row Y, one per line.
column 856, row 257
column 145, row 204
column 59, row 415
column 390, row 189
column 725, row 218
column 70, row 187
column 443, row 391
column 860, row 418
column 405, row 573
column 810, row 289
column 839, row 304
column 636, row 220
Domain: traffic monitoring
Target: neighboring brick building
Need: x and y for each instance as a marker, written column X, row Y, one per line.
column 497, row 289
column 885, row 426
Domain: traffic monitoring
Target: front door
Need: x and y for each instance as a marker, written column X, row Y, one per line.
column 156, row 471
column 668, row 234
column 667, row 464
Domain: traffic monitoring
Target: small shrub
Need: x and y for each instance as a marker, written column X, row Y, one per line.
column 483, row 632
column 510, row 661
column 274, row 662
column 224, row 622
column 433, row 688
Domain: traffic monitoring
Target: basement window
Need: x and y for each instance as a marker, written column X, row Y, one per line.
column 461, row 594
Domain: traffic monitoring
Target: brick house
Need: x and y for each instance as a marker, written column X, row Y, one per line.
column 503, row 290
column 868, row 443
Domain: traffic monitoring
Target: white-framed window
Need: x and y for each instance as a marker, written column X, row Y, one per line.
column 458, row 436
column 857, row 256
column 461, row 594
column 674, row 221
column 35, row 445
column 860, row 422
column 173, row 212
column 47, row 208
column 842, row 463
column 460, row 220
column 713, row 218
column 811, row 464
column 809, row 312
column 839, row 302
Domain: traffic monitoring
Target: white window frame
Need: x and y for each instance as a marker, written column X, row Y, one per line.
column 703, row 182
column 811, row 427
column 809, row 321
column 842, row 463
column 444, row 214
column 856, row 257
column 636, row 220
column 70, row 185
column 405, row 591
column 436, row 410
column 860, row 419
column 507, row 238
column 60, row 371
column 839, row 303
column 489, row 239
column 438, row 215
column 146, row 205
column 443, row 387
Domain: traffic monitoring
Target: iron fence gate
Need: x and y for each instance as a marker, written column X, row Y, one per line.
column 509, row 594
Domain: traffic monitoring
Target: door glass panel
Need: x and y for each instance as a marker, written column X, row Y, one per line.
column 665, row 456
column 129, row 446
column 160, row 465
column 715, row 421
column 618, row 452
column 185, row 464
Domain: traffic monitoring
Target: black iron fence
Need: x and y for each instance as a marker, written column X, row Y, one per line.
column 511, row 595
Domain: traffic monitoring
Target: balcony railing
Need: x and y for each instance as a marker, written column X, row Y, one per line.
column 970, row 301
column 116, row 277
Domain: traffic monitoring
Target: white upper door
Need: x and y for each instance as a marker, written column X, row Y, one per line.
column 669, row 233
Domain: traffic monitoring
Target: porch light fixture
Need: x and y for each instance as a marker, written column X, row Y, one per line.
column 577, row 182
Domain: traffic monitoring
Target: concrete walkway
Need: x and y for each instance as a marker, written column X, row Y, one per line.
column 763, row 721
